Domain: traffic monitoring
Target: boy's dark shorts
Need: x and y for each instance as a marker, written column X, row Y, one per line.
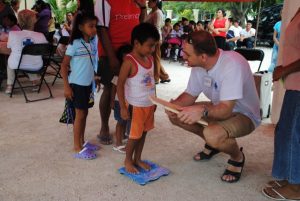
column 117, row 113
column 82, row 96
column 104, row 71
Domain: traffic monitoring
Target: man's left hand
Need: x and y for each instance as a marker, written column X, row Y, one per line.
column 191, row 114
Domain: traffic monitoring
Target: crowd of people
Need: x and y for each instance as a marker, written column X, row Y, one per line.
column 117, row 44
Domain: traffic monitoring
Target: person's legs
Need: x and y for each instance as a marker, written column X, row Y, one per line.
column 220, row 41
column 221, row 136
column 249, row 42
column 120, row 131
column 129, row 163
column 79, row 128
column 217, row 137
column 159, row 71
column 138, row 153
column 286, row 150
column 105, row 110
column 10, row 80
column 239, row 43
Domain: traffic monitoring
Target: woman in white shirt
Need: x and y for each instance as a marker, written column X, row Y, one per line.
column 155, row 17
column 16, row 41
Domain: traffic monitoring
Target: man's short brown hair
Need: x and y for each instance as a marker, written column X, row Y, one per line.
column 203, row 42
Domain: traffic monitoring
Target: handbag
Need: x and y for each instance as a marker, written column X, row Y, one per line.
column 68, row 115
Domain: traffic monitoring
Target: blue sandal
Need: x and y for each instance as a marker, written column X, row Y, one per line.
column 85, row 154
column 90, row 146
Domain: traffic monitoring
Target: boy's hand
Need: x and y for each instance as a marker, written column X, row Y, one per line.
column 68, row 93
column 97, row 81
column 125, row 114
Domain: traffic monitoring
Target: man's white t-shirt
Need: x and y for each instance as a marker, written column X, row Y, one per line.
column 236, row 30
column 230, row 79
column 249, row 33
column 16, row 41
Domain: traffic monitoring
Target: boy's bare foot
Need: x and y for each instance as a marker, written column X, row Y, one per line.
column 130, row 168
column 143, row 165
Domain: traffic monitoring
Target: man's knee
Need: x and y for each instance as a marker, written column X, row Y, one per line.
column 214, row 135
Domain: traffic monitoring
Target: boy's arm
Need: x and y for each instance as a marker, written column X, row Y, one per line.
column 64, row 73
column 124, row 74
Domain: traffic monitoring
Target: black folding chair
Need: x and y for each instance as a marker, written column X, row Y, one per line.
column 252, row 55
column 43, row 50
column 56, row 60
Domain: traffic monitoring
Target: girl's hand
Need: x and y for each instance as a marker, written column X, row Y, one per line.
column 125, row 114
column 68, row 93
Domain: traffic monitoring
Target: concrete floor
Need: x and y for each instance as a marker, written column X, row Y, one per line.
column 37, row 164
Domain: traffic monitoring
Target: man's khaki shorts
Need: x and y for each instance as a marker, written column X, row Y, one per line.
column 238, row 125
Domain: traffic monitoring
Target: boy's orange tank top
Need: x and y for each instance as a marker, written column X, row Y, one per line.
column 124, row 16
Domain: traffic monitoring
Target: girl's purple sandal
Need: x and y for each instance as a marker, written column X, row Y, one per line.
column 90, row 146
column 85, row 154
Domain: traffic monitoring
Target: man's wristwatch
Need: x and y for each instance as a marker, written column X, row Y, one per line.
column 205, row 112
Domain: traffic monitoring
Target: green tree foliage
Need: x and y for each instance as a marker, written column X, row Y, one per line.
column 60, row 10
column 238, row 10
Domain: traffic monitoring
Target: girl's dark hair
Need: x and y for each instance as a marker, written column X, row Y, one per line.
column 222, row 10
column 87, row 6
column 143, row 32
column 80, row 19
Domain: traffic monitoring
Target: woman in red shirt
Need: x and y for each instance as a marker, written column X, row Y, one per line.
column 219, row 27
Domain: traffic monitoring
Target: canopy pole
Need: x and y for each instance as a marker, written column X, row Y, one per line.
column 257, row 23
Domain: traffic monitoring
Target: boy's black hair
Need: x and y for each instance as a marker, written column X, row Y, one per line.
column 12, row 18
column 184, row 19
column 176, row 24
column 167, row 20
column 192, row 22
column 123, row 50
column 200, row 22
column 80, row 19
column 143, row 32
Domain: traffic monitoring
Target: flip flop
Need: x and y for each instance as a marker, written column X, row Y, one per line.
column 276, row 183
column 85, row 154
column 120, row 149
column 105, row 139
column 90, row 146
column 273, row 194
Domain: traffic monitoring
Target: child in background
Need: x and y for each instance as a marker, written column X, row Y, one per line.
column 174, row 41
column 81, row 56
column 121, row 123
column 135, row 85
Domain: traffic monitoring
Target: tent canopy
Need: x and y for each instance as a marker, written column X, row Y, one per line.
column 214, row 0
